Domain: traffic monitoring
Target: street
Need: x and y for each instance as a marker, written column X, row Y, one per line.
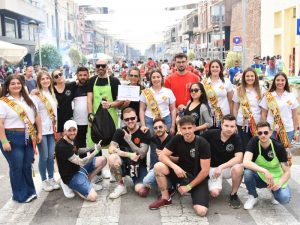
column 53, row 208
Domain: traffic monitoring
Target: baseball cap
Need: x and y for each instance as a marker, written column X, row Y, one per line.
column 70, row 123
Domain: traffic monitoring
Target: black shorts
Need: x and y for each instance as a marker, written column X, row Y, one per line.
column 199, row 194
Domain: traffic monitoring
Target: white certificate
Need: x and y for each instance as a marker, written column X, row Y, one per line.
column 128, row 92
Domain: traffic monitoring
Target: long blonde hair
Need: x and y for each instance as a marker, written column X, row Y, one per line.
column 241, row 90
column 50, row 88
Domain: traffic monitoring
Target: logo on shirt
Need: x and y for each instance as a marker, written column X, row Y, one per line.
column 289, row 102
column 137, row 141
column 68, row 93
column 164, row 98
column 271, row 154
column 195, row 115
column 229, row 147
column 192, row 153
column 222, row 87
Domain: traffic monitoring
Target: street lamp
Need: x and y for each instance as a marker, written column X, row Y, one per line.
column 35, row 25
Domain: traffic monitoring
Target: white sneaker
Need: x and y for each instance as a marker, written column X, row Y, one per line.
column 119, row 190
column 47, row 186
column 97, row 187
column 97, row 179
column 53, row 183
column 68, row 192
column 251, row 202
column 274, row 201
column 105, row 174
column 112, row 179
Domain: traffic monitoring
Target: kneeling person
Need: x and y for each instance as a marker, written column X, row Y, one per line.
column 128, row 150
column 266, row 166
column 77, row 172
column 191, row 171
column 226, row 159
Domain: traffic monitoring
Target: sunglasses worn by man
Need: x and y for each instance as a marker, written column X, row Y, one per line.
column 103, row 66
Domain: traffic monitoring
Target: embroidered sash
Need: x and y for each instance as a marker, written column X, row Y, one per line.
column 50, row 110
column 213, row 99
column 152, row 103
column 247, row 114
column 281, row 132
column 24, row 117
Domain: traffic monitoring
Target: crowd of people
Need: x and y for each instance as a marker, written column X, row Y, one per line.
column 199, row 127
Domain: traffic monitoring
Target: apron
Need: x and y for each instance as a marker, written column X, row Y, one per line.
column 98, row 93
column 273, row 166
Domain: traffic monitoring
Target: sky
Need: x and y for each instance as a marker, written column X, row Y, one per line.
column 139, row 23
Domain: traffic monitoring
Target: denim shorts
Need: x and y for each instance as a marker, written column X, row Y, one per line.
column 80, row 182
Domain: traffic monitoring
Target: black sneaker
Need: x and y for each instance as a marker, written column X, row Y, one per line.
column 234, row 201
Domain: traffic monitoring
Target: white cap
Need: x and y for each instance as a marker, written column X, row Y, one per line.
column 69, row 124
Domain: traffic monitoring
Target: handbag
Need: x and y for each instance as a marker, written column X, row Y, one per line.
column 103, row 127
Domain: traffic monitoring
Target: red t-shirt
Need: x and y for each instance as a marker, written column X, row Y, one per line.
column 180, row 85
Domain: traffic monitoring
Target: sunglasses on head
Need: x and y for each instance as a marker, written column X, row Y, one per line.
column 158, row 127
column 262, row 132
column 195, row 90
column 129, row 118
column 100, row 65
column 56, row 76
column 133, row 75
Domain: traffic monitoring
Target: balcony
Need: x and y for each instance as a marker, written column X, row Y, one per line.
column 30, row 9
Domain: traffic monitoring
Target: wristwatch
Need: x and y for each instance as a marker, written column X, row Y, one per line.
column 91, row 117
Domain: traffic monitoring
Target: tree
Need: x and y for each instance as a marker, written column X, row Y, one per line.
column 231, row 58
column 51, row 58
column 191, row 55
column 84, row 60
column 74, row 56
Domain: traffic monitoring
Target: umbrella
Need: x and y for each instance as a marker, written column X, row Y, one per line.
column 99, row 56
column 12, row 53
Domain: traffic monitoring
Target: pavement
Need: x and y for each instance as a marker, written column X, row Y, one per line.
column 53, row 208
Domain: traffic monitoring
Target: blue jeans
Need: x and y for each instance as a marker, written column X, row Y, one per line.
column 290, row 135
column 80, row 181
column 149, row 124
column 46, row 160
column 149, row 179
column 253, row 181
column 20, row 160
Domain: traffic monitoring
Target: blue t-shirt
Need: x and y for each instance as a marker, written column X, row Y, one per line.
column 30, row 84
column 233, row 71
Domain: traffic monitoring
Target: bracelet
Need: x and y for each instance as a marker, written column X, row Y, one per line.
column 189, row 187
column 109, row 105
column 129, row 155
column 4, row 141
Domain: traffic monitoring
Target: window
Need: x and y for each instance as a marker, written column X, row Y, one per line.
column 11, row 28
column 25, row 31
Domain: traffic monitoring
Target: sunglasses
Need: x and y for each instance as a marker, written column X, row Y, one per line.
column 133, row 75
column 262, row 132
column 101, row 65
column 195, row 90
column 158, row 127
column 56, row 76
column 129, row 118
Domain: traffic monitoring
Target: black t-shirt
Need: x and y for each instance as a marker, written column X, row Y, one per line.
column 194, row 113
column 160, row 145
column 64, row 108
column 137, row 138
column 80, row 91
column 222, row 152
column 63, row 151
column 267, row 153
column 186, row 152
column 114, row 82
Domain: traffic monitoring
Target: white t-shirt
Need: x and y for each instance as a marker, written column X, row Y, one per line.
column 80, row 113
column 47, row 126
column 222, row 88
column 287, row 102
column 165, row 69
column 164, row 98
column 11, row 117
column 254, row 106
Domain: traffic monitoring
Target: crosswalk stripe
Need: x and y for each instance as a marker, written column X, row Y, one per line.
column 103, row 211
column 15, row 213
